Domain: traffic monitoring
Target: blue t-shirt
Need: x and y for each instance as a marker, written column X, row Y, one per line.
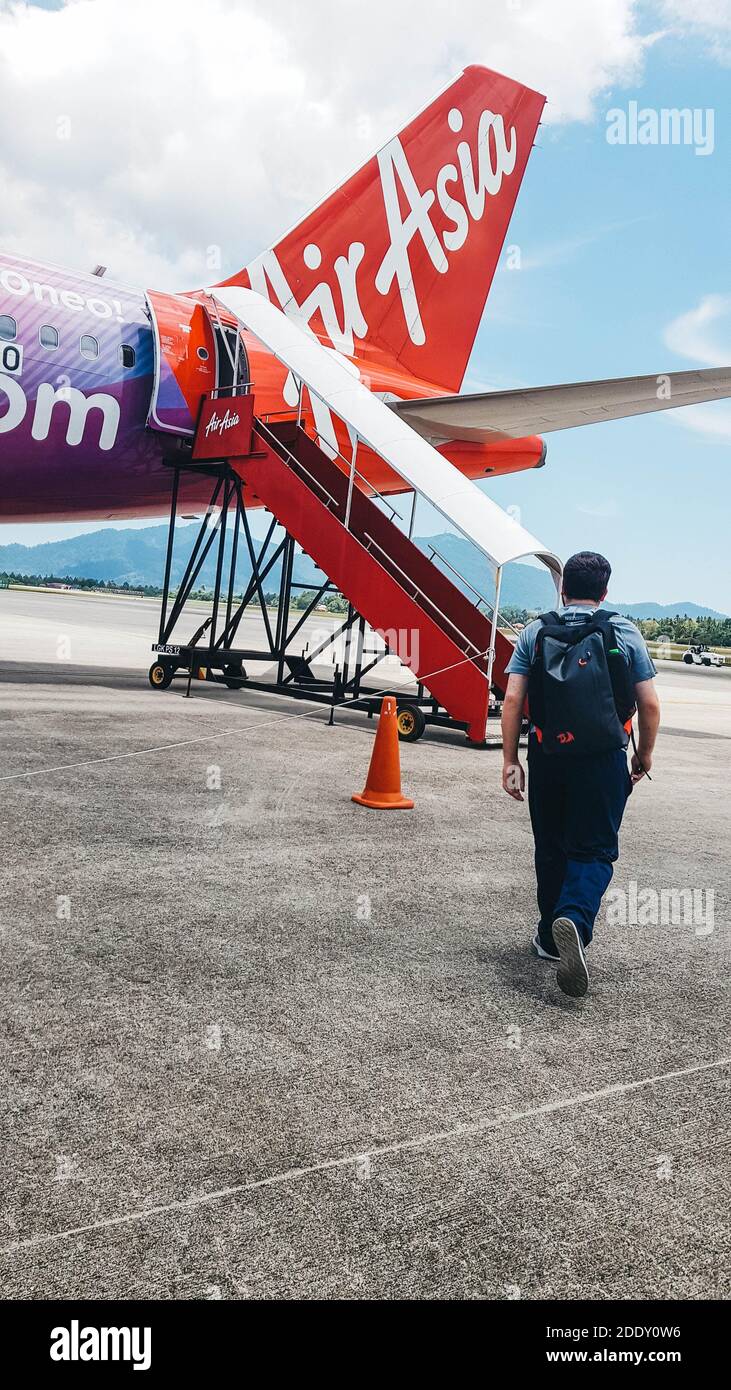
column 629, row 640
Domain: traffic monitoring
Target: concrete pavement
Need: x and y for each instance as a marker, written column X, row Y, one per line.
column 264, row 1043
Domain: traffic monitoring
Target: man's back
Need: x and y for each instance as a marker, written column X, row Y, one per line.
column 578, row 778
column 629, row 639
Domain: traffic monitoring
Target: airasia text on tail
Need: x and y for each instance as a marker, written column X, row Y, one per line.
column 479, row 176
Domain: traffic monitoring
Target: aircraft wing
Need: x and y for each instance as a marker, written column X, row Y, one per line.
column 493, row 415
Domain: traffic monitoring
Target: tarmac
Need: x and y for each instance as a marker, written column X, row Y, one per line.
column 264, row 1043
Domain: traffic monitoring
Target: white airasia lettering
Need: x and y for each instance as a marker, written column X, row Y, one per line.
column 495, row 157
column 395, row 265
column 489, row 176
column 218, row 424
column 266, row 273
column 476, row 176
column 452, row 209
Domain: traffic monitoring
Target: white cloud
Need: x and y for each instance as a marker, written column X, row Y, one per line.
column 709, row 20
column 604, row 510
column 691, row 334
column 194, row 125
column 714, row 420
column 695, row 335
column 559, row 252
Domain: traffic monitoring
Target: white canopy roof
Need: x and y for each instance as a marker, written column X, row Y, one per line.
column 424, row 470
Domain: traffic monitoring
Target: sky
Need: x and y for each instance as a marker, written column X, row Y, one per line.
column 180, row 136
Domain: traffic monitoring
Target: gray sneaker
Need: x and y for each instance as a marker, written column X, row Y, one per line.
column 572, row 975
column 541, row 952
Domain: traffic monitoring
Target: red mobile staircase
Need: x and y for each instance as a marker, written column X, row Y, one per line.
column 423, row 617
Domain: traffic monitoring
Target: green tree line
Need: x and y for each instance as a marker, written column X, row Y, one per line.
column 40, row 581
column 708, row 632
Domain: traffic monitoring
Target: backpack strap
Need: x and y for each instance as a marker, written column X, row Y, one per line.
column 535, row 680
column 604, row 616
column 619, row 669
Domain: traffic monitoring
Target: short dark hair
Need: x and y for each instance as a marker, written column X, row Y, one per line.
column 586, row 575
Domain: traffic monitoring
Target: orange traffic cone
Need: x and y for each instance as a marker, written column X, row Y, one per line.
column 382, row 790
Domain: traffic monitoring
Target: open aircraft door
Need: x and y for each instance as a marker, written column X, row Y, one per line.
column 194, row 354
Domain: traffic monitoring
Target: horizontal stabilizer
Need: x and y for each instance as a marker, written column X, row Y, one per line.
column 489, row 416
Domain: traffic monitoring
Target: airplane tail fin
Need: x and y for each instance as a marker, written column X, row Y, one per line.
column 396, row 264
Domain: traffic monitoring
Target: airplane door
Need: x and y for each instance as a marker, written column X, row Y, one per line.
column 185, row 361
column 232, row 365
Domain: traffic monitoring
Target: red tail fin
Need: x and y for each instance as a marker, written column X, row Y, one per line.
column 397, row 263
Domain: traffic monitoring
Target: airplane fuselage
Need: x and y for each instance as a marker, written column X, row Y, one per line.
column 100, row 384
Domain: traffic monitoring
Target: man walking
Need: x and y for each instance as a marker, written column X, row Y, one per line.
column 584, row 670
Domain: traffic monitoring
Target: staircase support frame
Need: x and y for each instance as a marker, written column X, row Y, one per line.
column 213, row 654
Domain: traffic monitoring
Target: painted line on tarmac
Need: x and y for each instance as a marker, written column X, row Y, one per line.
column 225, row 732
column 421, row 1141
column 693, row 704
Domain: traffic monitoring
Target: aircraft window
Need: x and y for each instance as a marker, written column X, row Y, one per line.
column 203, row 354
column 127, row 355
column 8, row 328
column 89, row 346
column 48, row 336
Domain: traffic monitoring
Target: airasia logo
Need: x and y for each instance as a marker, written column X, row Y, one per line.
column 219, row 424
column 461, row 189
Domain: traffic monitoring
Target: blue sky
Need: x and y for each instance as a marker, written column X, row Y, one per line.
column 651, row 493
column 617, row 243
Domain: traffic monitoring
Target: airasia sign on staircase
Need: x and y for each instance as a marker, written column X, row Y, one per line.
column 224, row 428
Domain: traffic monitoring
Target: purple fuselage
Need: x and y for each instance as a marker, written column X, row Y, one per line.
column 77, row 375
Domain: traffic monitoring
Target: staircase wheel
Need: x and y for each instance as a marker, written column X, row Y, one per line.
column 411, row 723
column 160, row 675
column 234, row 674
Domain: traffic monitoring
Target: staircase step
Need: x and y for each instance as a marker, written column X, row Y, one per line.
column 423, row 616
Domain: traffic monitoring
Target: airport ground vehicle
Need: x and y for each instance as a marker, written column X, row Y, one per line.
column 699, row 655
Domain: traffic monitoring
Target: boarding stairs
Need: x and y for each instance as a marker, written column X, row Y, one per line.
column 421, row 614
column 454, row 648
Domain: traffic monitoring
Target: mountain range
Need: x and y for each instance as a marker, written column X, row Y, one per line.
column 686, row 609
column 137, row 557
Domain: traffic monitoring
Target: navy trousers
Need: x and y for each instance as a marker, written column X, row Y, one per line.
column 576, row 807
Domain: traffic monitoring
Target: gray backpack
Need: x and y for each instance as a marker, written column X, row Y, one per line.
column 580, row 688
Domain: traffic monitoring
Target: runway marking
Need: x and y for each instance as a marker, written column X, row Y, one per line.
column 421, row 1141
column 712, row 704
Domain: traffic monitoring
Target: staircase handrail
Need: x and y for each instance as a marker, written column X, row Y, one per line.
column 291, row 458
column 421, row 594
column 481, row 597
